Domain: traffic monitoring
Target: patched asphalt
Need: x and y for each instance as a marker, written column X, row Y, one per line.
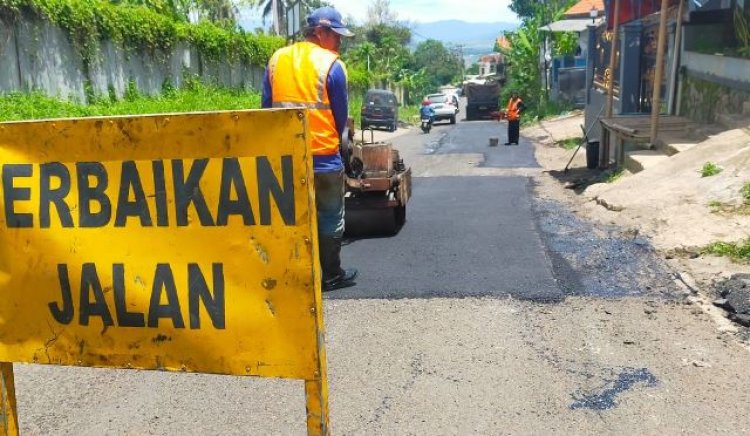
column 464, row 237
column 474, row 137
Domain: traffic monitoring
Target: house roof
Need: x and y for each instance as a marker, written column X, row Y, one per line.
column 582, row 8
column 494, row 58
column 503, row 42
column 571, row 25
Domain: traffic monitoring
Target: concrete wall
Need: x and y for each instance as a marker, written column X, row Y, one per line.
column 722, row 68
column 36, row 55
column 9, row 71
column 713, row 85
column 703, row 100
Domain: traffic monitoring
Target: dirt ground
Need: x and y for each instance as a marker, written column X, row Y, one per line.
column 667, row 203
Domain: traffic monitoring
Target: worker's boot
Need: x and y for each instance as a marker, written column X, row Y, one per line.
column 334, row 277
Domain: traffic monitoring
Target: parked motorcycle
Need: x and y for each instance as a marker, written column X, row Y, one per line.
column 426, row 125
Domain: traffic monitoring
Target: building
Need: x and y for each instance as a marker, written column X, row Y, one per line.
column 491, row 64
column 706, row 68
column 565, row 76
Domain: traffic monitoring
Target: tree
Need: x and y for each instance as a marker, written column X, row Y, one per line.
column 379, row 51
column 523, row 69
column 267, row 11
column 266, row 7
column 177, row 9
column 217, row 11
column 441, row 65
column 380, row 13
column 526, row 9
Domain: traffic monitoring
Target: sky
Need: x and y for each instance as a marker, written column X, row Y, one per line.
column 478, row 11
column 425, row 11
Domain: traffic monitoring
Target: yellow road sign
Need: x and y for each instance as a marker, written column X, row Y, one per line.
column 176, row 242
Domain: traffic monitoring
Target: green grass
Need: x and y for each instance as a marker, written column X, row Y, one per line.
column 737, row 251
column 194, row 98
column 35, row 106
column 533, row 114
column 614, row 176
column 570, row 143
column 355, row 109
column 745, row 192
column 409, row 114
column 710, row 169
column 716, row 206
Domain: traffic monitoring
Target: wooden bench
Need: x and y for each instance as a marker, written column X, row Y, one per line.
column 634, row 129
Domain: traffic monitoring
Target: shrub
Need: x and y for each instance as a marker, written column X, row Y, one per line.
column 737, row 251
column 710, row 169
column 745, row 192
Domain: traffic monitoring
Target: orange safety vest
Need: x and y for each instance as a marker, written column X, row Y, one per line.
column 298, row 75
column 511, row 113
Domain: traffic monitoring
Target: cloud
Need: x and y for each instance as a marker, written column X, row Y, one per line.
column 479, row 11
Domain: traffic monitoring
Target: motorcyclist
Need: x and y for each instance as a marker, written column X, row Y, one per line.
column 426, row 111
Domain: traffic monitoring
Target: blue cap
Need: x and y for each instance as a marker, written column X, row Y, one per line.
column 328, row 17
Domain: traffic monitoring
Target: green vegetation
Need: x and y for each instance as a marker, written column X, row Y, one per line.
column 409, row 114
column 710, row 169
column 745, row 192
column 570, row 143
column 742, row 29
column 523, row 70
column 716, row 206
column 378, row 56
column 737, row 251
column 614, row 176
column 142, row 26
column 355, row 108
column 192, row 98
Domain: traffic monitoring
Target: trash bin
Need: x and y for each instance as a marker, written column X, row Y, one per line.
column 592, row 154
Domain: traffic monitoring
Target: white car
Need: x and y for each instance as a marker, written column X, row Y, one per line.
column 444, row 107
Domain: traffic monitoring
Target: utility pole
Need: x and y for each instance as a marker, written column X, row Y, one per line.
column 460, row 48
column 604, row 144
column 276, row 17
column 659, row 74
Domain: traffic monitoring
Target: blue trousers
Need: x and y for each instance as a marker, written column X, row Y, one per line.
column 329, row 202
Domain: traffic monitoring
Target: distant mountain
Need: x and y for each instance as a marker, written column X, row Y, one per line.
column 477, row 39
column 454, row 32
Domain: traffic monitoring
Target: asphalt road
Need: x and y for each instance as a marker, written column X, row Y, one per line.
column 473, row 137
column 464, row 236
column 491, row 312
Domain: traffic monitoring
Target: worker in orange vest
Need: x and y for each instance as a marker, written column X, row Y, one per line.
column 513, row 115
column 310, row 75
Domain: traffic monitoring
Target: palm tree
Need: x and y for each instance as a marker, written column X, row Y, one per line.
column 276, row 9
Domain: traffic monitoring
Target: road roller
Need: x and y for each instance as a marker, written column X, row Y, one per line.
column 378, row 186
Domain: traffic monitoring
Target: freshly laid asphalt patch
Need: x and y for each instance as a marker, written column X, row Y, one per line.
column 464, row 236
column 474, row 137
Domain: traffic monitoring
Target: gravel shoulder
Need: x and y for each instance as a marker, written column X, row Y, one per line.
column 667, row 205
